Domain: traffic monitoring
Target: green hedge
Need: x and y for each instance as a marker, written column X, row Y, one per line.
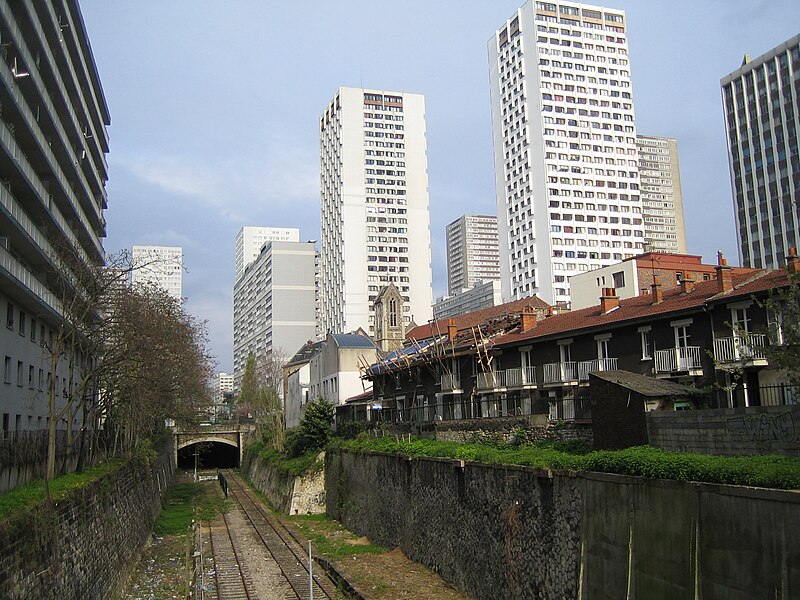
column 772, row 471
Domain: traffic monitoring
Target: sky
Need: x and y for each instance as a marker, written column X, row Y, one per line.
column 215, row 109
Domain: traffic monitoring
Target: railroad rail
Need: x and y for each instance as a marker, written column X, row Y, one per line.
column 287, row 551
column 232, row 583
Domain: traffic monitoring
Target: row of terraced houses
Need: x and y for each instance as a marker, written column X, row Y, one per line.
column 525, row 357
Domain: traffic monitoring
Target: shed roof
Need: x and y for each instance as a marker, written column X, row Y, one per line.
column 643, row 385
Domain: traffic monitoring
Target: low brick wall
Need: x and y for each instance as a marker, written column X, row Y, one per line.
column 86, row 548
column 512, row 532
column 727, row 431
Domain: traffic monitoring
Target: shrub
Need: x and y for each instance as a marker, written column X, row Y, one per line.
column 773, row 471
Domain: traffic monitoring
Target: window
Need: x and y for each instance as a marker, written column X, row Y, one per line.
column 10, row 316
column 20, row 372
column 681, row 336
column 7, row 370
column 740, row 320
column 619, row 279
column 647, row 346
column 21, row 322
column 602, row 346
column 775, row 326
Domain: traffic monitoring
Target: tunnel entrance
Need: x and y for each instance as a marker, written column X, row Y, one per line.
column 210, row 455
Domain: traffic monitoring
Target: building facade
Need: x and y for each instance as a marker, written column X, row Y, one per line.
column 566, row 162
column 662, row 198
column 714, row 335
column 762, row 118
column 53, row 173
column 250, row 240
column 161, row 266
column 374, row 207
column 274, row 303
column 390, row 330
column 473, row 255
column 481, row 295
column 629, row 277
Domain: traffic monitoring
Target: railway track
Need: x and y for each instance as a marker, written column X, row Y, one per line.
column 289, row 554
column 231, row 580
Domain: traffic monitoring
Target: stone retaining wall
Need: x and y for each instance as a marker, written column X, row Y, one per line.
column 513, row 532
column 530, row 429
column 288, row 494
column 727, row 431
column 86, row 548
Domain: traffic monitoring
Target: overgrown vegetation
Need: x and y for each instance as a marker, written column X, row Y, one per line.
column 303, row 443
column 772, row 471
column 29, row 495
column 181, row 502
column 331, row 540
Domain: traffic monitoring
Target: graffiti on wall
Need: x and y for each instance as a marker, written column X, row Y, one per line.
column 764, row 427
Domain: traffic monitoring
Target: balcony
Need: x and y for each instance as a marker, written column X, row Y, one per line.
column 561, row 373
column 679, row 360
column 450, row 382
column 521, row 377
column 492, row 380
column 590, row 366
column 746, row 350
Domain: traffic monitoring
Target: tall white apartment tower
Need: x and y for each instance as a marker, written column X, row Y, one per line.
column 472, row 253
column 250, row 240
column 374, row 207
column 762, row 118
column 566, row 172
column 161, row 266
column 662, row 198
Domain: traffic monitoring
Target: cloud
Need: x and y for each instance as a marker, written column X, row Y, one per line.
column 234, row 186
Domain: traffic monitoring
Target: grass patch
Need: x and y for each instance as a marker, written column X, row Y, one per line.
column 179, row 506
column 331, row 540
column 29, row 495
column 773, row 471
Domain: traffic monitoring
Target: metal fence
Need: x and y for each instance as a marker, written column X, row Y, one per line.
column 482, row 407
column 765, row 395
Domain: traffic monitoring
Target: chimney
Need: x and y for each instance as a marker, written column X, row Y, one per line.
column 451, row 329
column 609, row 300
column 527, row 319
column 724, row 280
column 792, row 261
column 687, row 285
column 658, row 295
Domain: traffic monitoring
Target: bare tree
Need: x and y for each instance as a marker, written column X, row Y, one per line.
column 128, row 358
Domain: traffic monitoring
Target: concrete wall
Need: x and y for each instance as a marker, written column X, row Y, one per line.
column 512, row 532
column 85, row 548
column 728, row 431
column 288, row 494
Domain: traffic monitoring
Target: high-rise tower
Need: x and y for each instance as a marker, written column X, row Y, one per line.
column 250, row 240
column 374, row 207
column 161, row 266
column 762, row 118
column 566, row 172
column 662, row 198
column 53, row 173
column 472, row 254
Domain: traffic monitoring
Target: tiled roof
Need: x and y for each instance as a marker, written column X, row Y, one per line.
column 304, row 354
column 475, row 318
column 641, row 307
